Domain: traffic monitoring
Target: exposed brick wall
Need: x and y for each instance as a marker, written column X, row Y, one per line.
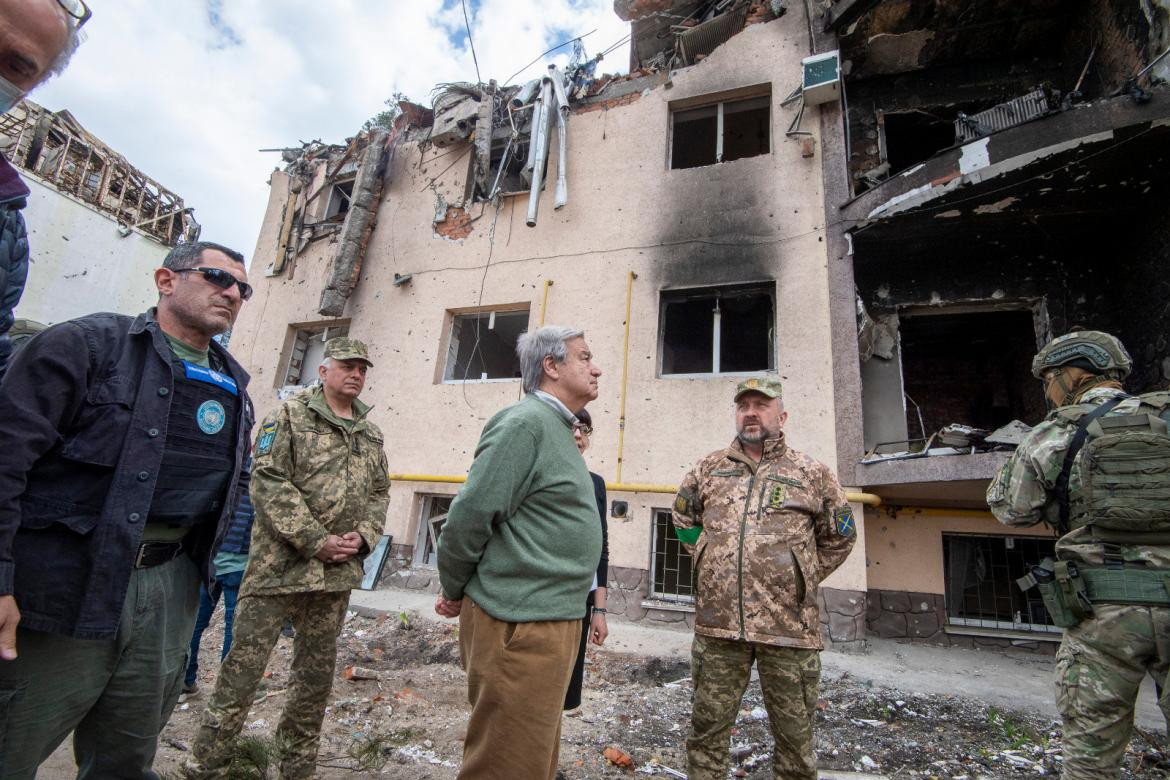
column 455, row 225
column 605, row 105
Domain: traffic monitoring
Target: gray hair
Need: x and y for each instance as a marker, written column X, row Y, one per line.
column 326, row 362
column 72, row 41
column 188, row 254
column 533, row 347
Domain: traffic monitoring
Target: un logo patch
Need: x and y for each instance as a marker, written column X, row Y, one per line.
column 210, row 417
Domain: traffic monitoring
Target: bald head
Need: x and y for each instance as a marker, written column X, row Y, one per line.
column 34, row 35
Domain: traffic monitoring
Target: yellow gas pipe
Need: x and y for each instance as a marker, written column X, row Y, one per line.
column 869, row 499
column 544, row 302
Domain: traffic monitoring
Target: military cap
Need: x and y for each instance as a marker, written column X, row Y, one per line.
column 1092, row 350
column 765, row 385
column 342, row 348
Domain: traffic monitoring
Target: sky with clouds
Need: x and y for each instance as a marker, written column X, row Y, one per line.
column 190, row 91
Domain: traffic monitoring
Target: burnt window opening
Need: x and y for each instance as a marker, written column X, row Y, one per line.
column 671, row 566
column 914, row 136
column 308, row 350
column 722, row 132
column 340, row 196
column 980, row 573
column 432, row 518
column 483, row 346
column 972, row 368
column 718, row 330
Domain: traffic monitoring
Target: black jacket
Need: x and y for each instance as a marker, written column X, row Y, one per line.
column 89, row 400
column 13, row 252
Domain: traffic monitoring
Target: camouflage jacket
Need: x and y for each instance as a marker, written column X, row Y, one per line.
column 763, row 536
column 313, row 475
column 1023, row 492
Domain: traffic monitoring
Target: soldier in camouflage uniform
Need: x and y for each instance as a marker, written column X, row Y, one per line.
column 320, row 488
column 765, row 525
column 1098, row 470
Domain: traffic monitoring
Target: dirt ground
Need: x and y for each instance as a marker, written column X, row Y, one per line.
column 408, row 722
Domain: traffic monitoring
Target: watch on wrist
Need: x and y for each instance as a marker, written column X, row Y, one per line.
column 599, row 610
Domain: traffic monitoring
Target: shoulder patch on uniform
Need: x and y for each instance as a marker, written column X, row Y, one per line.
column 843, row 521
column 267, row 436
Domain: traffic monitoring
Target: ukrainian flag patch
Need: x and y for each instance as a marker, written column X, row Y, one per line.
column 267, row 436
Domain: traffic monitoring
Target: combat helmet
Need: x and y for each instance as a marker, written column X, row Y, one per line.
column 1094, row 350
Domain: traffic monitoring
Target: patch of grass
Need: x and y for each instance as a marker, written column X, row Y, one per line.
column 252, row 758
column 371, row 751
column 1010, row 730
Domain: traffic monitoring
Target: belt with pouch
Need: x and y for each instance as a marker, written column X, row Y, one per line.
column 157, row 553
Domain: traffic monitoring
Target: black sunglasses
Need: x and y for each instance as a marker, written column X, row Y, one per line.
column 221, row 279
column 77, row 10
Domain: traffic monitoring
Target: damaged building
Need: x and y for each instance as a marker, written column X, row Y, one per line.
column 998, row 183
column 90, row 212
column 889, row 205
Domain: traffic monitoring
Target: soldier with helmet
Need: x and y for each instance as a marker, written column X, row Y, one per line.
column 1097, row 469
column 320, row 489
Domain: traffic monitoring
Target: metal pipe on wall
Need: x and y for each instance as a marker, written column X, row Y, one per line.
column 630, row 277
column 558, row 82
column 540, row 128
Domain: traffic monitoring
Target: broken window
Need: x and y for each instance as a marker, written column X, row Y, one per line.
column 718, row 330
column 981, row 574
column 670, row 563
column 432, row 518
column 973, row 368
column 721, row 132
column 510, row 181
column 483, row 345
column 339, row 198
column 308, row 350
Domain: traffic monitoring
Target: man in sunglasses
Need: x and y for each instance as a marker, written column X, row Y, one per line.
column 37, row 38
column 123, row 445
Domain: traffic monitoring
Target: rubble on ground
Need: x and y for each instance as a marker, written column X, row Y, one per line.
column 401, row 712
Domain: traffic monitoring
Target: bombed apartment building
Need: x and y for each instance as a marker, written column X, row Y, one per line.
column 674, row 212
column 97, row 225
column 1000, row 181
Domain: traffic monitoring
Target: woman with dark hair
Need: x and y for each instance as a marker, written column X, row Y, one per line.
column 595, row 627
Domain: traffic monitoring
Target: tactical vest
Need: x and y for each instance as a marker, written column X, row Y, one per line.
column 1124, row 467
column 199, row 459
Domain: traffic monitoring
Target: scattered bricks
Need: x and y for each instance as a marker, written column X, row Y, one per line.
column 455, row 225
column 352, row 673
column 618, row 757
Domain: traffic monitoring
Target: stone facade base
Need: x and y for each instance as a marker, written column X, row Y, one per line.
column 922, row 617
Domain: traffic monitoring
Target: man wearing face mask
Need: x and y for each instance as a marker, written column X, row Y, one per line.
column 765, row 525
column 1097, row 469
column 37, row 38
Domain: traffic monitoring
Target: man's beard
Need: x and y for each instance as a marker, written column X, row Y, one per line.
column 759, row 435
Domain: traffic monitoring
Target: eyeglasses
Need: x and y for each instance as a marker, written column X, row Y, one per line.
column 77, row 10
column 586, row 430
column 221, row 279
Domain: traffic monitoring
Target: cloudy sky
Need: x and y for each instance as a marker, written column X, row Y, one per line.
column 190, row 91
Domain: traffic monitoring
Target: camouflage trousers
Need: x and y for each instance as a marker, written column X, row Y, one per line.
column 721, row 669
column 1099, row 667
column 317, row 618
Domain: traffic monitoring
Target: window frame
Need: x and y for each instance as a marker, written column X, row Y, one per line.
column 767, row 287
column 652, row 574
column 718, row 100
column 326, row 329
column 445, row 356
column 425, row 530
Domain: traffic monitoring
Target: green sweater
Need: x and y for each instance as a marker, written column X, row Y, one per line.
column 522, row 537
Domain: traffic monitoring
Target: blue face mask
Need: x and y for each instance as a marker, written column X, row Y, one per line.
column 10, row 95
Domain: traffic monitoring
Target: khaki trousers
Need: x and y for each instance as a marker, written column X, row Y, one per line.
column 517, row 675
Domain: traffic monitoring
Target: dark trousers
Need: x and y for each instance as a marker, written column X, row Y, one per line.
column 229, row 586
column 113, row 694
column 573, row 695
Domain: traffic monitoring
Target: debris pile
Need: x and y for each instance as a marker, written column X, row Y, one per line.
column 399, row 709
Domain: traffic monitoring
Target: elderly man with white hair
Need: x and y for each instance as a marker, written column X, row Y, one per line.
column 516, row 559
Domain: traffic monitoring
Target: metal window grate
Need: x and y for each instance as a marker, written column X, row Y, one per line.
column 670, row 564
column 981, row 590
